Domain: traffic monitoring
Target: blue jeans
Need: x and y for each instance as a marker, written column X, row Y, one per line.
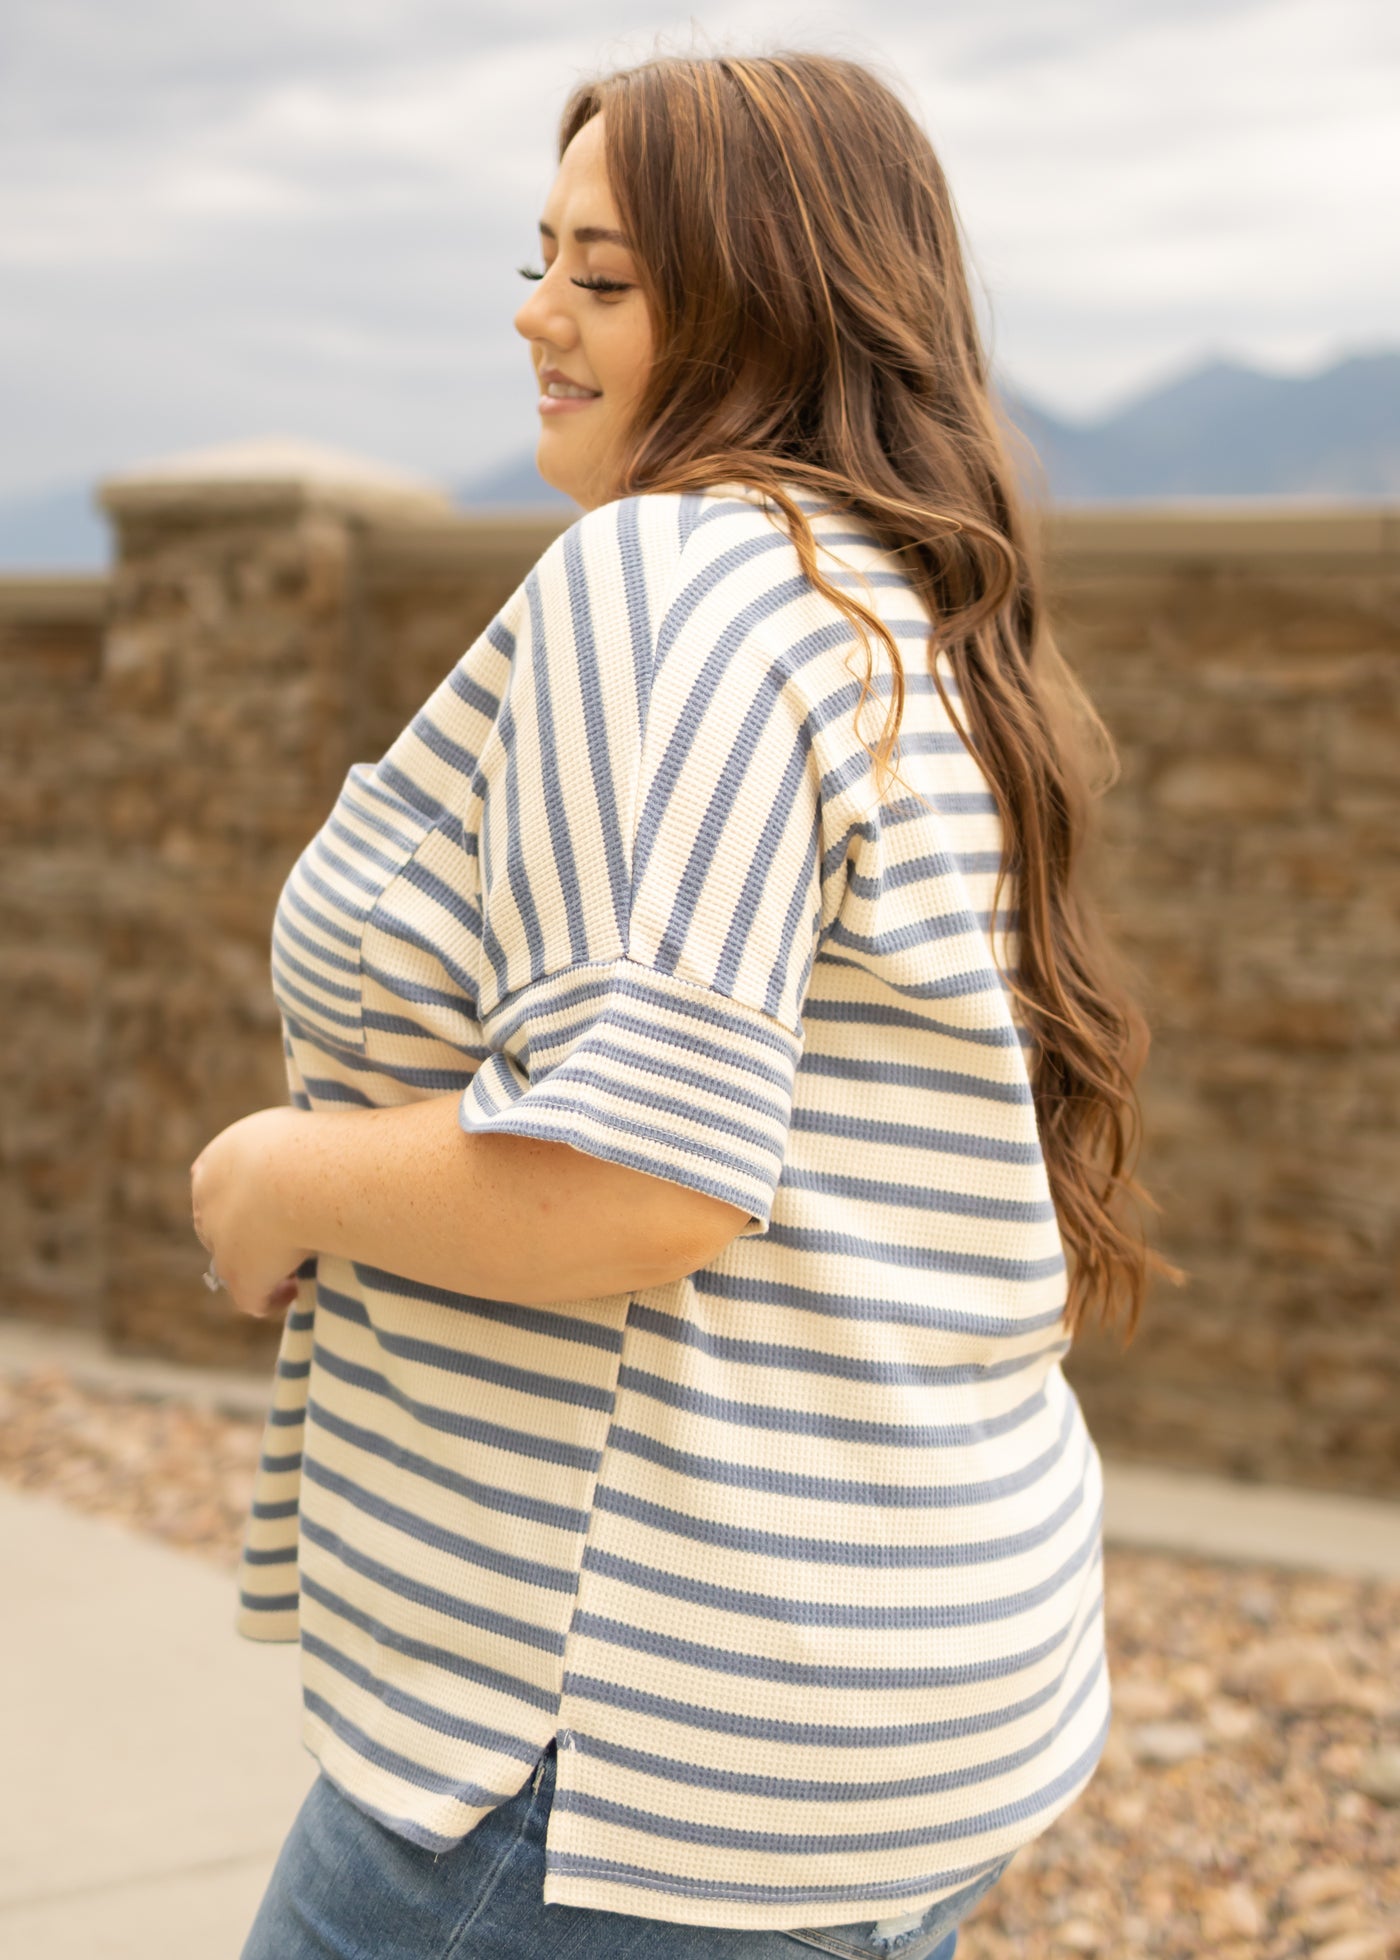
column 346, row 1888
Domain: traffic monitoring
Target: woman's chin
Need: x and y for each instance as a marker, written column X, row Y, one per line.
column 579, row 469
column 561, row 471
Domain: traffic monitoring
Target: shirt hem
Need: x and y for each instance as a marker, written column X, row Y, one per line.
column 268, row 1628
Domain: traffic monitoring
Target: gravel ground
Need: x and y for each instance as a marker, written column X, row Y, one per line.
column 1247, row 1806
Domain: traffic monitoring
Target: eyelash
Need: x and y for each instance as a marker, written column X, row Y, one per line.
column 591, row 285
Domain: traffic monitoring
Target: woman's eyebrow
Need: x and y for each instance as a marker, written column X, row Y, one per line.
column 589, row 235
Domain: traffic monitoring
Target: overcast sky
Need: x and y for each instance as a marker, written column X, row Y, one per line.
column 303, row 217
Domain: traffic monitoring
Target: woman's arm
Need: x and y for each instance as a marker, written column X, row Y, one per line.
column 408, row 1190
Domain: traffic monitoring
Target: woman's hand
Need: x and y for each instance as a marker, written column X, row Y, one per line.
column 237, row 1217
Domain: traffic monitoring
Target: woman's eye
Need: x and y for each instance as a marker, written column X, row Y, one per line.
column 594, row 285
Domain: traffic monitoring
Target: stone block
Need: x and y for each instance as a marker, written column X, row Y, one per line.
column 1202, row 788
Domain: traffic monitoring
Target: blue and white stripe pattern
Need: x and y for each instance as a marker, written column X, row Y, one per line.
column 800, row 1557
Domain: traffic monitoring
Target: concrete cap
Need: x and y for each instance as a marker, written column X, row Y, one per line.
column 271, row 473
column 1281, row 527
column 53, row 598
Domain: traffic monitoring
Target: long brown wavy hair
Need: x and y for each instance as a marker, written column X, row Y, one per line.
column 799, row 251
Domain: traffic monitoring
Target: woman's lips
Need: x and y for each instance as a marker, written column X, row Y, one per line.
column 563, row 404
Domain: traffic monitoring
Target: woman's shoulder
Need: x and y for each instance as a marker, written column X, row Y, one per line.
column 729, row 534
column 678, row 574
column 645, row 550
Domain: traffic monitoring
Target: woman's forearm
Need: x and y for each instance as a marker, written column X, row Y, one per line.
column 503, row 1217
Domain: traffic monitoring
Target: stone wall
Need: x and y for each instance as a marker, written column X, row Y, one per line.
column 269, row 621
column 52, row 747
column 1249, row 669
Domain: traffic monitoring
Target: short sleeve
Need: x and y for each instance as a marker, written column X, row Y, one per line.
column 650, row 854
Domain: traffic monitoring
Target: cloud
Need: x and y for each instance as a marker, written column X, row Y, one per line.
column 305, row 217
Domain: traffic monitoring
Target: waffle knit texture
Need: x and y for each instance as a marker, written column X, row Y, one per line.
column 800, row 1556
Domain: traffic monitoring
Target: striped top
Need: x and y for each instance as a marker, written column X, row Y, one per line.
column 799, row 1557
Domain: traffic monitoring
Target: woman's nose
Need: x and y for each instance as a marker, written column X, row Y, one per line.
column 541, row 318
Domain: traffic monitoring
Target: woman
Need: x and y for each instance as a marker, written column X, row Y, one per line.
column 692, row 1540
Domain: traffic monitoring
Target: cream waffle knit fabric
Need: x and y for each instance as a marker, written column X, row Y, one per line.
column 799, row 1557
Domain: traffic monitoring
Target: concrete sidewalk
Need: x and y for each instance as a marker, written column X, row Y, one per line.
column 153, row 1761
column 153, row 1757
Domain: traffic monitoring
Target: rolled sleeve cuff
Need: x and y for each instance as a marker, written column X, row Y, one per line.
column 641, row 1069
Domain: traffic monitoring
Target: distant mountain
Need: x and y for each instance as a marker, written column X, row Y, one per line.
column 1221, row 430
column 1225, row 430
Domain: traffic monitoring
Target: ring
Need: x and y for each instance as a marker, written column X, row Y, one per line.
column 211, row 1278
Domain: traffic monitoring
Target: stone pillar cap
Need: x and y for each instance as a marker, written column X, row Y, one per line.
column 272, row 473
